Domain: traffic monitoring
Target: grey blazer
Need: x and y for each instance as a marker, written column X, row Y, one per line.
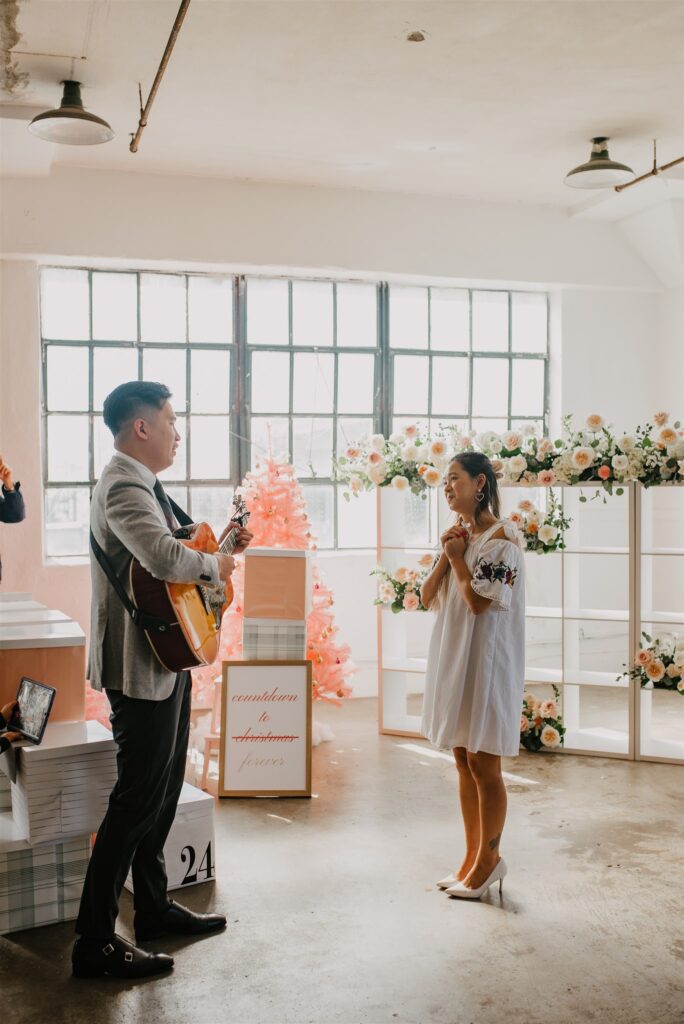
column 127, row 520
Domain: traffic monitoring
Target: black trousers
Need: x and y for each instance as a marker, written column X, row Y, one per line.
column 152, row 737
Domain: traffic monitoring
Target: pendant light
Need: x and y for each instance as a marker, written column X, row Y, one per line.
column 599, row 171
column 70, row 124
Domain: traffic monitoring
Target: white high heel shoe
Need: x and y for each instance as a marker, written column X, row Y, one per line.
column 463, row 893
column 445, row 883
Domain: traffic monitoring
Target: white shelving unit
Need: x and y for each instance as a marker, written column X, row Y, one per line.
column 622, row 571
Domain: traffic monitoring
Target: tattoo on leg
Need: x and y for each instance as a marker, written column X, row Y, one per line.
column 493, row 843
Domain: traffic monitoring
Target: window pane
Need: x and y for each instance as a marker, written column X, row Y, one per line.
column 270, row 435
column 449, row 386
column 115, row 307
column 490, row 321
column 408, row 317
column 210, row 391
column 65, row 313
column 268, row 318
column 350, row 430
column 356, row 520
column 355, row 383
column 111, row 367
column 168, row 366
column 529, row 322
column 210, row 447
column 67, row 438
column 319, row 507
column 528, row 387
column 410, row 384
column 312, row 313
column 312, row 446
column 357, row 315
column 178, row 494
column 212, row 505
column 270, row 382
column 67, row 378
column 314, row 382
column 103, row 445
column 162, row 307
column 210, row 310
column 449, row 319
column 179, row 469
column 67, row 521
column 490, row 387
column 490, row 423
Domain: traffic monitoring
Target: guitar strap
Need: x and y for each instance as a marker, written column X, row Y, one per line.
column 150, row 623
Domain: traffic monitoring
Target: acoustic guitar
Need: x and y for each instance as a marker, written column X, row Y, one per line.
column 192, row 612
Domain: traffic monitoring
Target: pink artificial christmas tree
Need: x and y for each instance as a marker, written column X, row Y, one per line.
column 278, row 520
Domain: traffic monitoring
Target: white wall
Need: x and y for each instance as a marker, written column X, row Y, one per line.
column 610, row 314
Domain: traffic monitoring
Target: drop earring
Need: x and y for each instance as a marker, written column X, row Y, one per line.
column 479, row 497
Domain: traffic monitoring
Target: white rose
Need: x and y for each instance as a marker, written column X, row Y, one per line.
column 495, row 446
column 409, row 453
column 676, row 451
column 423, row 453
column 529, row 430
column 620, row 463
column 545, row 446
column 400, row 483
column 672, row 671
column 517, row 465
column 547, row 534
column 550, row 737
column 627, row 442
column 377, row 441
column 485, row 439
column 535, row 516
column 397, row 439
column 512, row 439
column 377, row 473
column 583, row 457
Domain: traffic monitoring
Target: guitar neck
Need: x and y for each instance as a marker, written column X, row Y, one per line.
column 227, row 545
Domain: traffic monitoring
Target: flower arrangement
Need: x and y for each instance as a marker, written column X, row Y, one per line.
column 653, row 454
column 401, row 589
column 541, row 723
column 541, row 531
column 405, row 461
column 659, row 663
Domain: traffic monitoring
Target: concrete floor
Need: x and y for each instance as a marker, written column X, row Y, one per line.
column 334, row 917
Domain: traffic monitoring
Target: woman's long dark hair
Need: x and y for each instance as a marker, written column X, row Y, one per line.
column 475, row 463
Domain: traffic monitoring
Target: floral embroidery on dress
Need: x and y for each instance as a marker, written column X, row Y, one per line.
column 495, row 572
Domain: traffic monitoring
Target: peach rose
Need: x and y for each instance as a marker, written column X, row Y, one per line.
column 545, row 446
column 532, row 528
column 401, row 575
column 375, row 458
column 356, row 484
column 432, row 477
column 410, row 431
column 411, row 602
column 422, row 469
column 661, row 418
column 672, row 672
column 550, row 737
column 667, row 436
column 582, row 458
column 655, row 670
column 524, row 723
column 353, row 453
column 546, row 477
column 426, row 560
column 642, row 658
column 594, row 422
column 604, row 472
column 516, row 519
column 400, row 483
column 549, row 709
column 438, row 449
column 526, row 505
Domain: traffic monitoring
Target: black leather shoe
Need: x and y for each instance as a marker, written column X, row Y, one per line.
column 119, row 958
column 176, row 920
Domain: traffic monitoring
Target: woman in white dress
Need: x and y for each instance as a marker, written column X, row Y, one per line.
column 475, row 667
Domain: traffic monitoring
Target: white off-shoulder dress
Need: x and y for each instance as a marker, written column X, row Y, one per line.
column 475, row 666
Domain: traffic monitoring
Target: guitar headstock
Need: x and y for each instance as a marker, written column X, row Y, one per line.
column 240, row 514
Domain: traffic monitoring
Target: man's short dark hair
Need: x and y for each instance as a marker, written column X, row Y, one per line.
column 129, row 400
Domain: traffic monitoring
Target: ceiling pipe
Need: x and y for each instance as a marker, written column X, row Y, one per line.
column 650, row 174
column 145, row 110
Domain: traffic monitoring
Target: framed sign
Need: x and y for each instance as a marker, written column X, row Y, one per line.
column 265, row 729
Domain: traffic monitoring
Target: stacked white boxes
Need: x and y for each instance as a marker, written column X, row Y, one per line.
column 189, row 851
column 63, row 785
column 277, row 603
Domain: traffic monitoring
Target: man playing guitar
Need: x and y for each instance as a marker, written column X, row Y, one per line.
column 131, row 517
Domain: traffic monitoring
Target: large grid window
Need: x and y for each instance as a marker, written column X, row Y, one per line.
column 299, row 368
column 475, row 358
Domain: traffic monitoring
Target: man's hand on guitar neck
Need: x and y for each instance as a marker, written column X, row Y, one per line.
column 243, row 537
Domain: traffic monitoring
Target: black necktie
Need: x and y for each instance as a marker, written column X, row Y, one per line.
column 165, row 504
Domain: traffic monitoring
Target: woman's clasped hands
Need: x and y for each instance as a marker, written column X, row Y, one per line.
column 454, row 541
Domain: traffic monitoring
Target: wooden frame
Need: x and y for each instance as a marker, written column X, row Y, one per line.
column 223, row 790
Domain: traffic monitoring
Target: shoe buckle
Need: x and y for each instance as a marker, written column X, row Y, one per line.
column 128, row 957
column 108, row 949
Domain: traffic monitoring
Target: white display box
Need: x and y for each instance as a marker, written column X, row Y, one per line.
column 63, row 785
column 190, row 849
